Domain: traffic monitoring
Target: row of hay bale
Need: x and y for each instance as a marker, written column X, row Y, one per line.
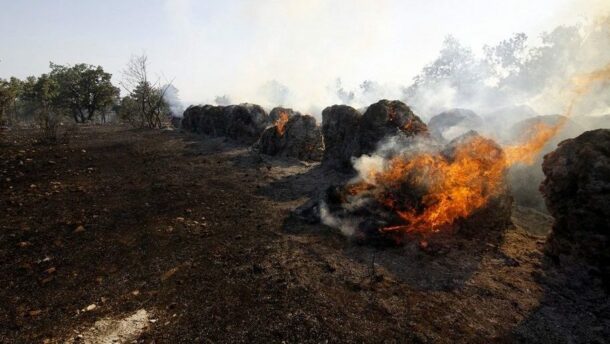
column 345, row 132
column 576, row 188
column 282, row 132
column 243, row 122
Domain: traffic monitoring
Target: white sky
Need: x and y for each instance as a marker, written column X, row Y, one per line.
column 211, row 48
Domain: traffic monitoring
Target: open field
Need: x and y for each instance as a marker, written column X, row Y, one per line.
column 165, row 237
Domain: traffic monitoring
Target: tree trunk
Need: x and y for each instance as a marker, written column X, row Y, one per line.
column 81, row 116
column 90, row 113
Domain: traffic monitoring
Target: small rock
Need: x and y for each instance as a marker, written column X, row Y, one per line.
column 46, row 280
column 79, row 229
column 90, row 307
column 169, row 273
column 35, row 312
column 24, row 244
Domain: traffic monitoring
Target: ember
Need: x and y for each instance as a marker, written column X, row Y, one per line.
column 293, row 135
column 280, row 123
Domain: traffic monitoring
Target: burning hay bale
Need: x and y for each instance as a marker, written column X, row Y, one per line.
column 292, row 135
column 244, row 122
column 348, row 134
column 577, row 193
column 419, row 189
column 452, row 123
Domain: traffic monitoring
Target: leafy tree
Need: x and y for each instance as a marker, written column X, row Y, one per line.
column 10, row 91
column 456, row 74
column 84, row 90
column 507, row 57
column 455, row 65
column 6, row 99
column 41, row 95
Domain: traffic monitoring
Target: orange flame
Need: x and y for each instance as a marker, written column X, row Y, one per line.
column 582, row 84
column 526, row 152
column 280, row 124
column 462, row 183
column 455, row 186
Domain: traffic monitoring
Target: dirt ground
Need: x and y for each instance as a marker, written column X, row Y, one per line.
column 121, row 235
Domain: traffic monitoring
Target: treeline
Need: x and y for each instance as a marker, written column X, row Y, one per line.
column 84, row 93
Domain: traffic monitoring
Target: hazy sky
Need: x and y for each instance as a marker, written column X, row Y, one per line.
column 233, row 47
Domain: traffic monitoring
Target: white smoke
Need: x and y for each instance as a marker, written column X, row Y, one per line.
column 176, row 106
column 223, row 100
column 515, row 74
column 347, row 226
column 375, row 48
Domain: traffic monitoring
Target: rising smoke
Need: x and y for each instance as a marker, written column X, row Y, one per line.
column 511, row 80
column 512, row 73
column 173, row 100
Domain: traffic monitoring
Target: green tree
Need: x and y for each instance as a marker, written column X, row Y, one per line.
column 84, row 90
column 6, row 99
column 41, row 96
column 10, row 91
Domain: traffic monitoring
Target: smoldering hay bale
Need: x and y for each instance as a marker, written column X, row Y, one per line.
column 293, row 135
column 281, row 113
column 205, row 119
column 387, row 118
column 451, row 123
column 244, row 122
column 349, row 134
column 339, row 125
column 577, row 194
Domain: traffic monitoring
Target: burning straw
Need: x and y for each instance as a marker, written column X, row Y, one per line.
column 429, row 189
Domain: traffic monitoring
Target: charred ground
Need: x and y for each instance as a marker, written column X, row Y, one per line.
column 198, row 233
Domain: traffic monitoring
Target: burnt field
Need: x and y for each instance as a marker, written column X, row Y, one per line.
column 165, row 237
